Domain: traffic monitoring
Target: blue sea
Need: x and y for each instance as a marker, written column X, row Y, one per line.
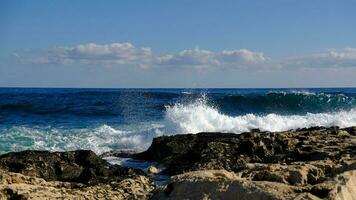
column 111, row 119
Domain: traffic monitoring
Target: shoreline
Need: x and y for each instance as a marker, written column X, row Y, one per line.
column 307, row 163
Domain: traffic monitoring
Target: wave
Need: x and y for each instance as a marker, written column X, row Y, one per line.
column 199, row 116
column 100, row 139
column 111, row 104
column 193, row 113
column 194, row 117
column 81, row 103
column 297, row 102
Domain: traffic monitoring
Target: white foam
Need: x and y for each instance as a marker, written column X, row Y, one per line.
column 199, row 116
column 300, row 92
column 101, row 139
column 192, row 117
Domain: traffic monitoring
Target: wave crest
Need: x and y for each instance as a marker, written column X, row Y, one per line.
column 198, row 116
column 100, row 139
column 285, row 103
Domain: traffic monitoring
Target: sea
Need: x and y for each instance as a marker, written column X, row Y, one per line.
column 102, row 120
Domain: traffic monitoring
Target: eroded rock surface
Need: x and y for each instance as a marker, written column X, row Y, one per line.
column 315, row 163
column 80, row 166
column 18, row 186
column 221, row 184
column 233, row 152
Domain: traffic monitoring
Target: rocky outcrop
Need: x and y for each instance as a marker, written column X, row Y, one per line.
column 298, row 164
column 314, row 163
column 69, row 175
column 80, row 166
column 221, row 184
column 233, row 152
column 18, row 186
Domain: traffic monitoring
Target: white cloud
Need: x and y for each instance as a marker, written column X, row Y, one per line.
column 242, row 56
column 126, row 54
column 189, row 58
column 203, row 58
column 329, row 59
column 108, row 54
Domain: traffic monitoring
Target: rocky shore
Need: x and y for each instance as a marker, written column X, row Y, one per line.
column 312, row 163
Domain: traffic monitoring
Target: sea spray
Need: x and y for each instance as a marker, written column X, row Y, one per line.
column 103, row 120
column 199, row 117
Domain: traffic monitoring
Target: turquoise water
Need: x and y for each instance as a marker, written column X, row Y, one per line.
column 109, row 119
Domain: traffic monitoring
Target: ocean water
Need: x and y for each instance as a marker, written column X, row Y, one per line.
column 109, row 119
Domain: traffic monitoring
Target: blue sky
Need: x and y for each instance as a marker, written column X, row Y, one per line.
column 178, row 43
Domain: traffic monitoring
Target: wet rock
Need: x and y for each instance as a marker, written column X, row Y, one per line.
column 119, row 153
column 309, row 163
column 182, row 153
column 152, row 170
column 73, row 166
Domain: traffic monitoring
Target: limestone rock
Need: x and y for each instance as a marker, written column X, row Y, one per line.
column 152, row 170
column 188, row 152
column 73, row 166
column 136, row 187
column 220, row 184
column 345, row 186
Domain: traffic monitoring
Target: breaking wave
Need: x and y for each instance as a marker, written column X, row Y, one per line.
column 100, row 139
column 199, row 116
column 130, row 121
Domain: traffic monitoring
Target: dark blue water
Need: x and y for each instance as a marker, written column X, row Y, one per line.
column 107, row 119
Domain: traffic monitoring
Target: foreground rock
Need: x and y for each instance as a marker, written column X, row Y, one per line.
column 314, row 163
column 18, row 186
column 68, row 175
column 221, row 184
column 304, row 163
column 233, row 152
column 80, row 166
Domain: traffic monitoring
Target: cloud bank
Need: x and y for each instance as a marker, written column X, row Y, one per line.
column 329, row 59
column 126, row 54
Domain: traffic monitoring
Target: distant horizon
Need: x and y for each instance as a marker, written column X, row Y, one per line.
column 178, row 88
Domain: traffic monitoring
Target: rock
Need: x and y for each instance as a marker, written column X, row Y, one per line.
column 136, row 187
column 182, row 153
column 351, row 130
column 152, row 170
column 73, row 166
column 220, row 184
column 344, row 187
column 303, row 163
column 309, row 163
column 125, row 153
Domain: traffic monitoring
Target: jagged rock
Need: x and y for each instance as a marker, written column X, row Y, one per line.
column 220, row 184
column 182, row 153
column 302, row 163
column 309, row 163
column 18, row 186
column 124, row 153
column 73, row 166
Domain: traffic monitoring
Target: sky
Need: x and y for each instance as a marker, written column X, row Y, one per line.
column 160, row 43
